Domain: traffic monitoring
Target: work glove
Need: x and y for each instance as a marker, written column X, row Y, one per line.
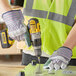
column 15, row 23
column 59, row 59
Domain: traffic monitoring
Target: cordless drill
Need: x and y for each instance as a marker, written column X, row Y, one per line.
column 34, row 29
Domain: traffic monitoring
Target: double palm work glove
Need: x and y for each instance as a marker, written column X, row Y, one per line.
column 59, row 59
column 15, row 23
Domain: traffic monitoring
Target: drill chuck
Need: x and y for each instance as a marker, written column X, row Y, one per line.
column 36, row 42
column 37, row 52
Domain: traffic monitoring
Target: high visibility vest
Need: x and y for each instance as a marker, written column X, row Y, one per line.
column 56, row 19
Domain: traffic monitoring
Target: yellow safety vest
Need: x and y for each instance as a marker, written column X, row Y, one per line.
column 56, row 18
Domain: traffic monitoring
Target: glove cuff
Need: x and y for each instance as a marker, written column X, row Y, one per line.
column 13, row 17
column 66, row 47
column 64, row 52
column 12, row 13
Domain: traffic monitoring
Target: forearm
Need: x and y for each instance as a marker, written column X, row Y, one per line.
column 4, row 6
column 71, row 39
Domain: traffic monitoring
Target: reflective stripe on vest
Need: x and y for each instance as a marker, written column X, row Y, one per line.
column 69, row 19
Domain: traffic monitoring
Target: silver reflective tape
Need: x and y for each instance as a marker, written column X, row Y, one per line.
column 72, row 11
column 60, row 18
column 35, row 13
column 29, row 4
column 69, row 19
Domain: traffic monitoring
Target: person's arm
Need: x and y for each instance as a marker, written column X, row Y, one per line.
column 4, row 6
column 71, row 39
column 14, row 21
column 61, row 57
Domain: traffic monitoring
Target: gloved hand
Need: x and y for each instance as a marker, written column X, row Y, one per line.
column 15, row 23
column 59, row 59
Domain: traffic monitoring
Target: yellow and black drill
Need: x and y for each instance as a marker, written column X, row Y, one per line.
column 34, row 29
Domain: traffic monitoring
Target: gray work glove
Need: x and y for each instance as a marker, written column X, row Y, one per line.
column 59, row 59
column 15, row 23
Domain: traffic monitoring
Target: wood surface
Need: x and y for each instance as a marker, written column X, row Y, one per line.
column 12, row 50
column 10, row 70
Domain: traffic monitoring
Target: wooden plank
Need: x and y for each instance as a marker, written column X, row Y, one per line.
column 10, row 70
column 11, row 66
column 12, row 50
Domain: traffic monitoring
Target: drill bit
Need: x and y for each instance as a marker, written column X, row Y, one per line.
column 39, row 60
column 39, row 64
column 38, row 69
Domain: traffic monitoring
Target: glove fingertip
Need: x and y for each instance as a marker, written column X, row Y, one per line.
column 63, row 66
column 57, row 67
column 45, row 67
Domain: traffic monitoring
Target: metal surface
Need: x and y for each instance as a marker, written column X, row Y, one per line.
column 39, row 71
